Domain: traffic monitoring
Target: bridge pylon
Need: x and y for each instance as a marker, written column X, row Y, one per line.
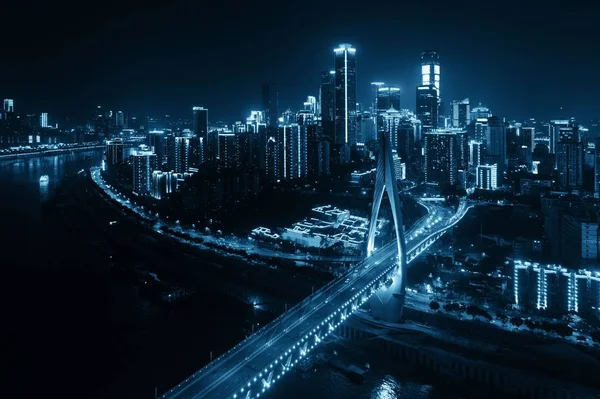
column 388, row 302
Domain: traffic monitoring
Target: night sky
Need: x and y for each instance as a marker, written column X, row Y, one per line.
column 522, row 60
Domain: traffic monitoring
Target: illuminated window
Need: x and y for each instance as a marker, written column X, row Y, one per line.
column 436, row 69
column 437, row 78
column 425, row 69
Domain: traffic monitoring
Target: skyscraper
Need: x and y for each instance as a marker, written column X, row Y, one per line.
column 441, row 161
column 270, row 99
column 569, row 158
column 144, row 163
column 327, row 95
column 388, row 97
column 374, row 93
column 345, row 101
column 114, row 152
column 200, row 130
column 495, row 142
column 44, row 120
column 461, row 113
column 156, row 142
column 427, row 107
column 430, row 70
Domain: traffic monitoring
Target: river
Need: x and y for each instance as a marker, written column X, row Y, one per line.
column 78, row 329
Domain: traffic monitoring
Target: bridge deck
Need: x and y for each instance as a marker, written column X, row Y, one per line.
column 255, row 357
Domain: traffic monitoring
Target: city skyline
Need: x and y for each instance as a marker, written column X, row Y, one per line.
column 487, row 60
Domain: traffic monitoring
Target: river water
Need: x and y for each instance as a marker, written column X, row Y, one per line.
column 74, row 330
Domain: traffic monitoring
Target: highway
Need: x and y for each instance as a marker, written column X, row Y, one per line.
column 251, row 367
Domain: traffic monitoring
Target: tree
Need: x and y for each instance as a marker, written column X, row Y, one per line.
column 502, row 317
column 532, row 325
column 516, row 321
column 433, row 305
column 472, row 311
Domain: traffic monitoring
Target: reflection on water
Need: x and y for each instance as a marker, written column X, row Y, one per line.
column 27, row 171
column 44, row 192
column 386, row 379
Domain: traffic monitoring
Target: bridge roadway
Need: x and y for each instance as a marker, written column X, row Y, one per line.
column 252, row 366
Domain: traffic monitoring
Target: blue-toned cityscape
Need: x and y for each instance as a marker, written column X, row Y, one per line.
column 346, row 246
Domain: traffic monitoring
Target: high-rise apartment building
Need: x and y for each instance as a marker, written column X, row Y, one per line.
column 157, row 144
column 487, row 177
column 144, row 163
column 440, row 158
column 114, row 152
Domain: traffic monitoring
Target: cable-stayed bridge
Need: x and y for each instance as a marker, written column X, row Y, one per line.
column 249, row 369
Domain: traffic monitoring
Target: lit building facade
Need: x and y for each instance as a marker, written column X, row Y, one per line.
column 114, row 152
column 200, row 130
column 163, row 183
column 556, row 289
column 44, row 120
column 427, row 107
column 430, row 70
column 9, row 105
column 388, row 97
column 441, row 158
column 345, row 101
column 461, row 113
column 487, row 177
column 144, row 164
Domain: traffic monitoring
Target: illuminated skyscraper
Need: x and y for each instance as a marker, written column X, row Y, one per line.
column 441, row 160
column 427, row 107
column 114, row 152
column 44, row 120
column 200, row 130
column 480, row 112
column 388, row 97
column 156, row 142
column 144, row 163
column 291, row 152
column 430, row 70
column 327, row 95
column 461, row 113
column 569, row 158
column 345, row 101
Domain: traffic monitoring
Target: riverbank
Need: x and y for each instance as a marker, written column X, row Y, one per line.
column 51, row 151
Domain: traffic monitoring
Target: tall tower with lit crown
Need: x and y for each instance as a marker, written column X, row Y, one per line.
column 430, row 70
